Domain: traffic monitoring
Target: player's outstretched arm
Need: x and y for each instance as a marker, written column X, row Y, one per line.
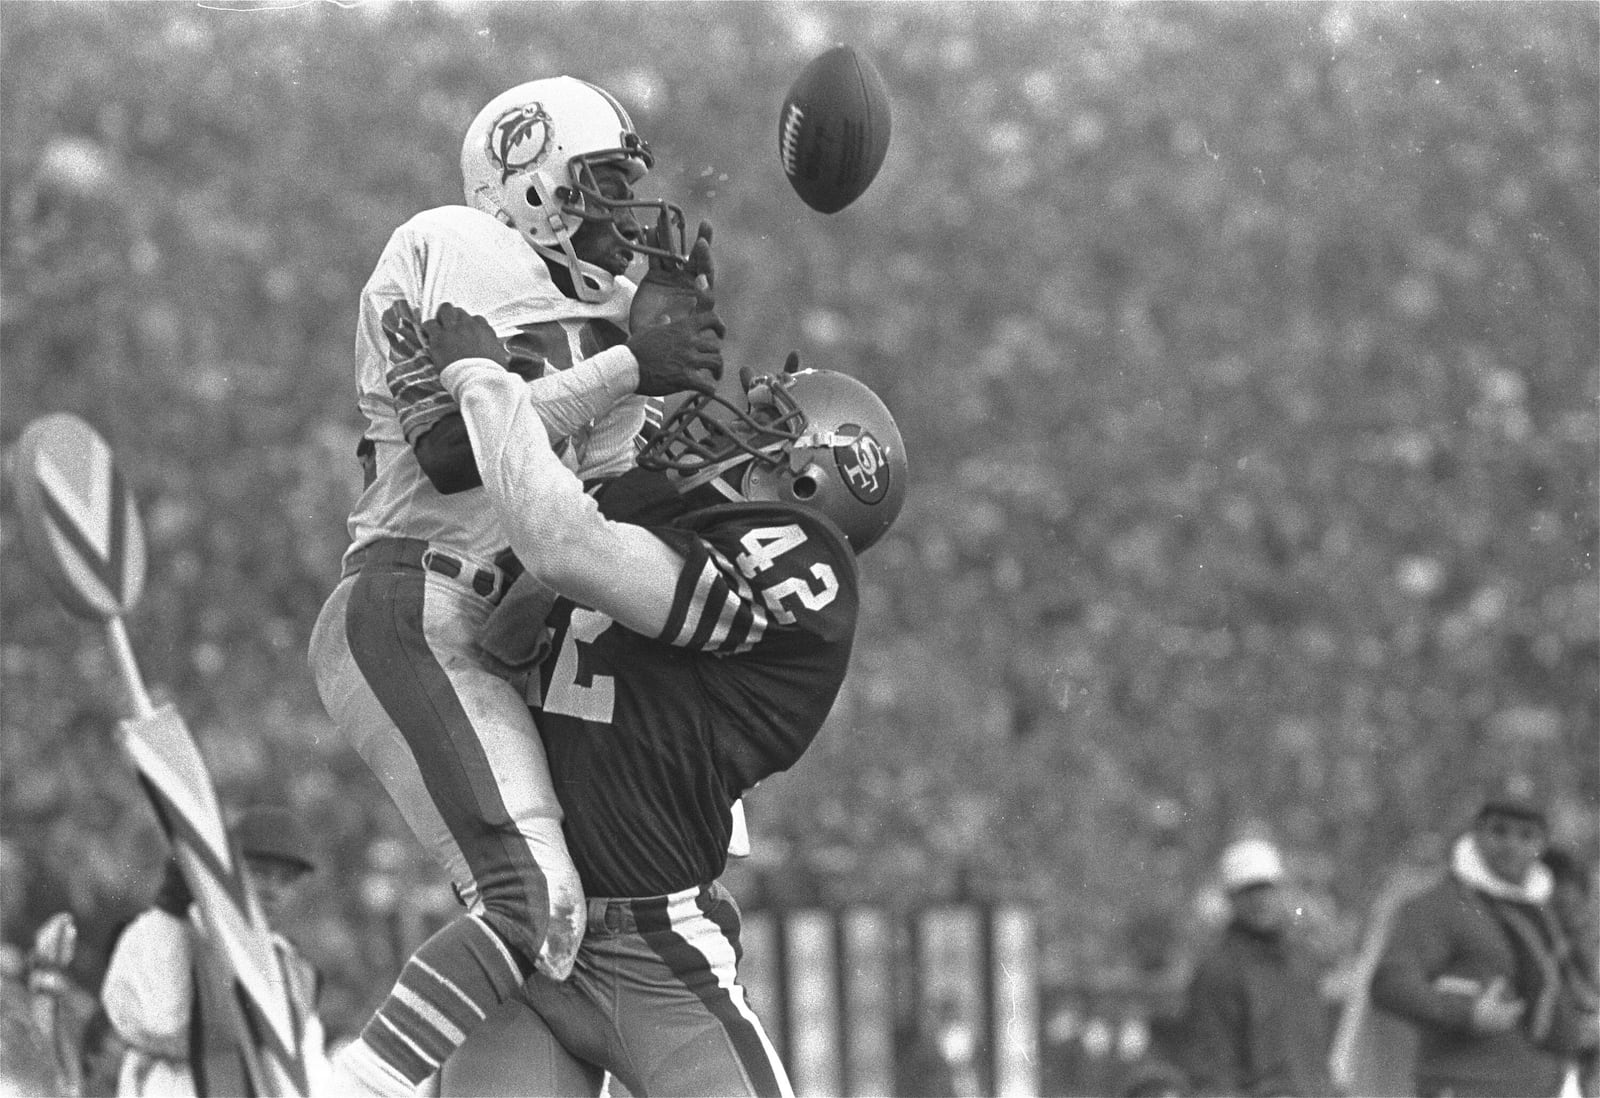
column 556, row 529
column 657, row 363
column 567, row 400
column 672, row 291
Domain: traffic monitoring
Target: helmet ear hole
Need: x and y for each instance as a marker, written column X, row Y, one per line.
column 804, row 486
column 533, row 197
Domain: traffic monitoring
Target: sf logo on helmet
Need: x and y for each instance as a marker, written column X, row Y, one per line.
column 863, row 466
column 519, row 138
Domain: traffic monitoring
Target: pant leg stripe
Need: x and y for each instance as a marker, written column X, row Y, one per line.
column 396, row 1049
column 399, row 1011
column 702, row 969
column 725, row 918
column 444, row 983
column 435, row 1021
column 518, row 972
column 387, row 638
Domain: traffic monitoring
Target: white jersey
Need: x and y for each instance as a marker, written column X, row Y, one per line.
column 149, row 998
column 468, row 258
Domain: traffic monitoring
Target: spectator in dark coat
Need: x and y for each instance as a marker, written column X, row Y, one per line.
column 1255, row 1022
column 1572, row 897
column 1470, row 964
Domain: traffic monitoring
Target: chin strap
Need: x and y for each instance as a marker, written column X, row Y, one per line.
column 733, row 494
column 590, row 283
column 713, row 476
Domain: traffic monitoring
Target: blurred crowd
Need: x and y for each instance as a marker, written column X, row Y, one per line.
column 1476, row 971
column 1247, row 355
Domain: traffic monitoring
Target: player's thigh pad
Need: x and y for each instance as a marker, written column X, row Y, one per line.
column 467, row 727
column 414, row 638
column 365, row 725
column 514, row 1054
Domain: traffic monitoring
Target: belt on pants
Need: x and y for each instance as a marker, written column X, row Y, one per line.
column 490, row 582
column 620, row 915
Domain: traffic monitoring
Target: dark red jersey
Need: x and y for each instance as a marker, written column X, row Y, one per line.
column 652, row 739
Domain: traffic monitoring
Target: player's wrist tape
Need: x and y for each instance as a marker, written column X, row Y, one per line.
column 412, row 385
column 416, row 419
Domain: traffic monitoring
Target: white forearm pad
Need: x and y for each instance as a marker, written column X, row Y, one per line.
column 541, row 504
column 568, row 400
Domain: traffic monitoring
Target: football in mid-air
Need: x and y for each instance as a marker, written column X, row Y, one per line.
column 833, row 131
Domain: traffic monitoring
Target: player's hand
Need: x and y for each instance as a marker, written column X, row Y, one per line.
column 700, row 266
column 456, row 334
column 514, row 638
column 670, row 291
column 748, row 378
column 1495, row 1011
column 679, row 354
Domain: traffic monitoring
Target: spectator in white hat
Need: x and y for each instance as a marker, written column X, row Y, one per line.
column 1255, row 1022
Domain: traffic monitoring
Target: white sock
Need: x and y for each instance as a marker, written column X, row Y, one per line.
column 359, row 1070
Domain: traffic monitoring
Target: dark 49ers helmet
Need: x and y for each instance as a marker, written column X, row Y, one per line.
column 817, row 438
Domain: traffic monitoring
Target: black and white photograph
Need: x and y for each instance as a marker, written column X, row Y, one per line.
column 897, row 548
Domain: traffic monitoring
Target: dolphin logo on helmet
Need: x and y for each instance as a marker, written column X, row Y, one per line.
column 519, row 139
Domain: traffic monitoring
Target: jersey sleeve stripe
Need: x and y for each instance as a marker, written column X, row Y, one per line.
column 721, row 613
column 694, row 610
column 750, row 616
column 723, row 630
column 711, row 635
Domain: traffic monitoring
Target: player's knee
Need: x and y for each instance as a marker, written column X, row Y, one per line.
column 521, row 929
column 519, row 900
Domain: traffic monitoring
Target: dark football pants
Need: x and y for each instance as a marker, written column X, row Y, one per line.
column 654, row 999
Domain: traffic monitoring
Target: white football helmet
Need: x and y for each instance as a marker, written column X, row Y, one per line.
column 528, row 159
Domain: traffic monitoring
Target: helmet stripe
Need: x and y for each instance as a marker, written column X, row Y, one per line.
column 622, row 112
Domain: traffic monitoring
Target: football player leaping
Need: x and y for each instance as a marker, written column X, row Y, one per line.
column 541, row 250
column 696, row 650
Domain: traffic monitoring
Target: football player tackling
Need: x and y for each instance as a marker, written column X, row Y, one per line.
column 541, row 249
column 708, row 608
